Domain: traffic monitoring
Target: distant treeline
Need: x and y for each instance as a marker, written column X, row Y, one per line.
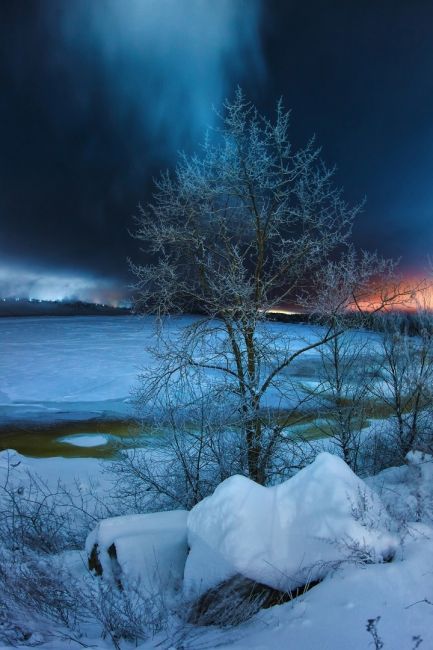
column 411, row 323
column 283, row 317
column 58, row 308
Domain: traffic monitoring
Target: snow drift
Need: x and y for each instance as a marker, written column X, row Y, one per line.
column 287, row 535
column 150, row 549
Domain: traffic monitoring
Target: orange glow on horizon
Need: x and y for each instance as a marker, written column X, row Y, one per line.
column 411, row 294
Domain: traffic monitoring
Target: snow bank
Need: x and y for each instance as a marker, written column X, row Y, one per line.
column 84, row 473
column 407, row 491
column 150, row 548
column 287, row 535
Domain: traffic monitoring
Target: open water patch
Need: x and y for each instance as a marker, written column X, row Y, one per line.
column 91, row 438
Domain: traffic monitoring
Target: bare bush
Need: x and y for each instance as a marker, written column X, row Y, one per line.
column 404, row 385
column 42, row 600
column 42, row 517
column 178, row 471
column 126, row 613
column 194, row 447
column 345, row 375
column 372, row 629
column 199, row 443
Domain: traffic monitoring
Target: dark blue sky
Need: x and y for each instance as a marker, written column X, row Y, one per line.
column 97, row 95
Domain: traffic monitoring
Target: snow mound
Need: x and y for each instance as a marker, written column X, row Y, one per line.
column 150, row 549
column 287, row 535
column 9, row 458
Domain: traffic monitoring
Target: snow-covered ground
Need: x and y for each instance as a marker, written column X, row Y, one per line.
column 68, row 470
column 333, row 615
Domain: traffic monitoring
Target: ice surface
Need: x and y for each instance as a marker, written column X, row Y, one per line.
column 84, row 365
column 81, row 367
column 85, row 440
column 287, row 535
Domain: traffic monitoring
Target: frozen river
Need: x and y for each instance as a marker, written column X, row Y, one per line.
column 69, row 367
column 80, row 365
column 60, row 372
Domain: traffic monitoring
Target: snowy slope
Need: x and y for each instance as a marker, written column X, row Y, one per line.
column 334, row 614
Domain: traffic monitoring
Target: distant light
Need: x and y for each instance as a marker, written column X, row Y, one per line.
column 286, row 312
column 28, row 284
column 280, row 310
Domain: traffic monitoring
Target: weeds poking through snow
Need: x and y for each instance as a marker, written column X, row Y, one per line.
column 41, row 601
column 371, row 627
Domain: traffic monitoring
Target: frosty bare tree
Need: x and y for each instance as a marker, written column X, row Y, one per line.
column 185, row 466
column 346, row 375
column 405, row 383
column 240, row 228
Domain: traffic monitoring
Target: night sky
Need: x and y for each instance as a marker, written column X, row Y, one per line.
column 98, row 95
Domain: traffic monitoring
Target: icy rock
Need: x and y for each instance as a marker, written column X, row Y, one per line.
column 149, row 548
column 287, row 535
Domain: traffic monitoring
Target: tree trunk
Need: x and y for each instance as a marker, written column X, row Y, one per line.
column 253, row 432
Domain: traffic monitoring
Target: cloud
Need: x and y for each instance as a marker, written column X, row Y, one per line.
column 165, row 62
column 101, row 95
column 19, row 282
